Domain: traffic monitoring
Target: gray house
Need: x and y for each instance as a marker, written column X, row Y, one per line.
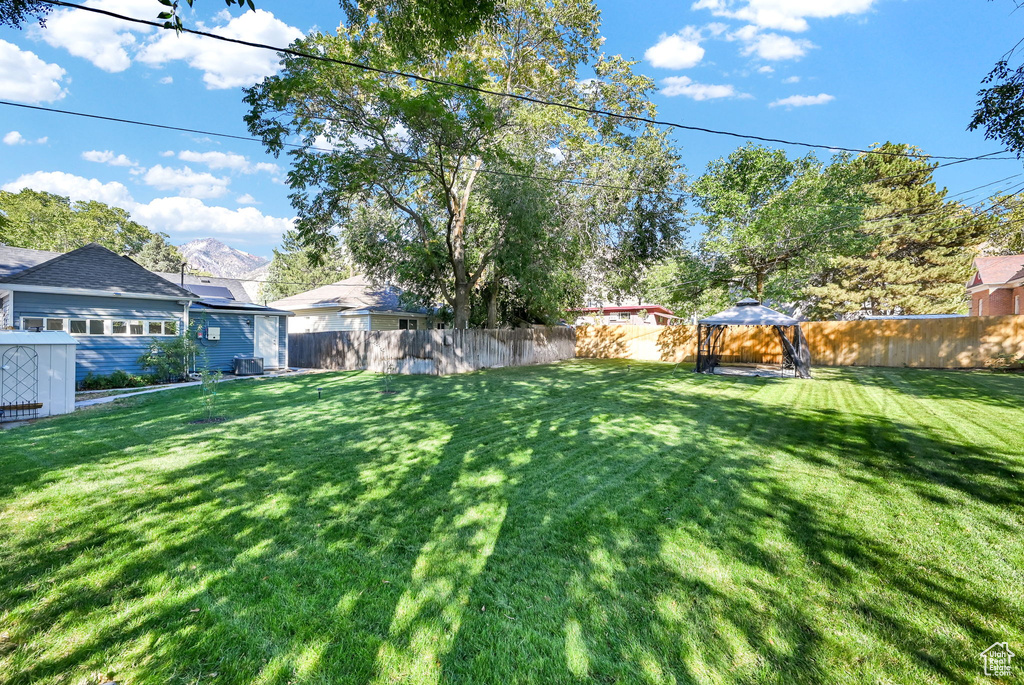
column 354, row 304
column 115, row 309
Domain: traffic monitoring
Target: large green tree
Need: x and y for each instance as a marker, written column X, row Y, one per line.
column 436, row 186
column 920, row 246
column 45, row 221
column 770, row 222
column 1005, row 234
column 159, row 255
column 294, row 269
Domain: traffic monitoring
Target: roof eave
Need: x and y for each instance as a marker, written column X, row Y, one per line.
column 22, row 287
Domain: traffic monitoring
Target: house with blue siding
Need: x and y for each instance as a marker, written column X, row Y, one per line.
column 116, row 309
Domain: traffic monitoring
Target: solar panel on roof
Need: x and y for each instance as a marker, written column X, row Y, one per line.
column 209, row 290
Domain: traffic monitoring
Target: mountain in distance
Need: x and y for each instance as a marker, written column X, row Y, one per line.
column 212, row 256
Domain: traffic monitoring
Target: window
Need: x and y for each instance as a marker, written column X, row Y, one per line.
column 136, row 328
column 78, row 327
column 1016, row 304
column 119, row 328
column 55, row 324
column 981, row 307
column 439, row 326
column 28, row 323
column 407, row 324
column 156, row 328
column 96, row 327
column 170, row 327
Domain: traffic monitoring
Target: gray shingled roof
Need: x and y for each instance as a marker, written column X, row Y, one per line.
column 94, row 267
column 16, row 259
column 356, row 293
column 234, row 285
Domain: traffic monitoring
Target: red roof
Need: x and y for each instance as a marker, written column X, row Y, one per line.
column 651, row 309
column 997, row 270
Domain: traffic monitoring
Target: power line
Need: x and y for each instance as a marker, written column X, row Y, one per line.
column 568, row 181
column 515, row 96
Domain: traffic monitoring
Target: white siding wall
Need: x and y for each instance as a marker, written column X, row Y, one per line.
column 318, row 320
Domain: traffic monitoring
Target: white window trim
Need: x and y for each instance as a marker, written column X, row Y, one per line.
column 108, row 326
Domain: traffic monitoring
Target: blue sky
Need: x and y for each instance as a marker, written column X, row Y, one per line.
column 839, row 72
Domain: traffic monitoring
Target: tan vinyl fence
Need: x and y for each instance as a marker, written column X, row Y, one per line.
column 965, row 342
column 430, row 352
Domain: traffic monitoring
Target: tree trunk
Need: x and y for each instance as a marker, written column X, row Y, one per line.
column 492, row 305
column 760, row 286
column 461, row 304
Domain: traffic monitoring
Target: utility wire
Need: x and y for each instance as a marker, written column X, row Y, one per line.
column 515, row 96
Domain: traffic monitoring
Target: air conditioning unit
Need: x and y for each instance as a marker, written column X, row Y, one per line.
column 248, row 366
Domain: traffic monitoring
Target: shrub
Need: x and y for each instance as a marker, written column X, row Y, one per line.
column 118, row 379
column 1004, row 362
column 169, row 359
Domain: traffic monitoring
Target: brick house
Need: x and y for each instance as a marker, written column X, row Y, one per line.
column 997, row 287
column 639, row 314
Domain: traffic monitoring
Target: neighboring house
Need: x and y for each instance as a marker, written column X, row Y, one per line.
column 997, row 287
column 354, row 304
column 115, row 309
column 637, row 315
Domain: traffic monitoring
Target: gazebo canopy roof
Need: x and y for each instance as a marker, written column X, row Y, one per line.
column 749, row 312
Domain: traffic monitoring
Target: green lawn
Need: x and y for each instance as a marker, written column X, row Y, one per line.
column 558, row 524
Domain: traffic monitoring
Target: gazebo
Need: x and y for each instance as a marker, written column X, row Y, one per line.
column 750, row 312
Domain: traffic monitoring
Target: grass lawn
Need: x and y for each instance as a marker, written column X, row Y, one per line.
column 558, row 524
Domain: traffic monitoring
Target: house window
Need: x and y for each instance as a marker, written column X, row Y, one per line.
column 156, row 328
column 1016, row 304
column 981, row 307
column 170, row 327
column 119, row 328
column 78, row 327
column 136, row 328
column 96, row 327
column 439, row 326
column 407, row 324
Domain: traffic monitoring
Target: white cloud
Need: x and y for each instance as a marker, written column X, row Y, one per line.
column 770, row 46
column 189, row 216
column 227, row 160
column 683, row 85
column 246, row 199
column 803, row 100
column 15, row 138
column 766, row 70
column 102, row 40
column 166, row 80
column 183, row 217
column 225, row 65
column 107, row 157
column 24, row 77
column 189, row 183
column 791, row 79
column 75, row 187
column 783, row 15
column 167, row 153
column 679, row 51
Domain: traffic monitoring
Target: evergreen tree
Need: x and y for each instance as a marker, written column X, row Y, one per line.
column 294, row 269
column 921, row 246
column 159, row 255
column 1006, row 230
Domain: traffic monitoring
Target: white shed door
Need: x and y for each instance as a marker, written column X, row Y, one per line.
column 266, row 340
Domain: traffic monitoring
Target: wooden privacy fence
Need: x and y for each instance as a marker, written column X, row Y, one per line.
column 958, row 343
column 430, row 352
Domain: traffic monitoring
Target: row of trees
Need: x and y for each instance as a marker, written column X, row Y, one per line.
column 44, row 221
column 867, row 235
column 506, row 212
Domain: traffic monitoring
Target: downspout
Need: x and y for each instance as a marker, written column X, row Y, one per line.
column 184, row 329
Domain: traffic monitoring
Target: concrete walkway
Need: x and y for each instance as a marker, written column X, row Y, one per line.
column 191, row 384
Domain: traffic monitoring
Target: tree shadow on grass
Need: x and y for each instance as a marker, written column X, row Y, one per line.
column 547, row 525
